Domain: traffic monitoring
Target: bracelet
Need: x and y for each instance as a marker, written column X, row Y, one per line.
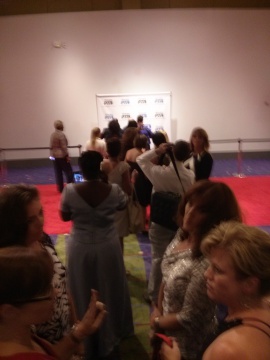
column 77, row 357
column 72, row 334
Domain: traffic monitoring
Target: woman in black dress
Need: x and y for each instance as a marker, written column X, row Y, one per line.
column 201, row 161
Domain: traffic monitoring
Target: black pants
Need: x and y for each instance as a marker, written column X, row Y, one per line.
column 61, row 165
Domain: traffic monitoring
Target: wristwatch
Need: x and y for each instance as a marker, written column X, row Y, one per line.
column 72, row 335
column 156, row 323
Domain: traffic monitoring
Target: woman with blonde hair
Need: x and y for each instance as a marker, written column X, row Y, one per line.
column 239, row 277
column 201, row 161
column 96, row 143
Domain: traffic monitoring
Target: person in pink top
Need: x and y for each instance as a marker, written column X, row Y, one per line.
column 96, row 143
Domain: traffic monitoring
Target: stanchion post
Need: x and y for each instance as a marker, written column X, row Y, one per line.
column 3, row 165
column 239, row 160
column 80, row 149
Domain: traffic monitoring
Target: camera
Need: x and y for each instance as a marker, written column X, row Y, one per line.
column 170, row 148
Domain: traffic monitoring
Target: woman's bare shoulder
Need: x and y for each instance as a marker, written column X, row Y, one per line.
column 241, row 342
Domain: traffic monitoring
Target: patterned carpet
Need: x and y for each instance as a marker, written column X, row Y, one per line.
column 137, row 254
column 135, row 258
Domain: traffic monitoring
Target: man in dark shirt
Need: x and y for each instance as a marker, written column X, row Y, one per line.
column 144, row 130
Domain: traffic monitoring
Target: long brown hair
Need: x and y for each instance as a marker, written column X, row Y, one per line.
column 216, row 200
column 14, row 200
column 24, row 274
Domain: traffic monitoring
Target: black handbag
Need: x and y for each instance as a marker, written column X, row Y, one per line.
column 164, row 205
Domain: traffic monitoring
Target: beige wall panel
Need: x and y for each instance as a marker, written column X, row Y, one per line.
column 69, row 5
column 131, row 4
column 155, row 4
column 191, row 3
column 15, row 7
column 106, row 5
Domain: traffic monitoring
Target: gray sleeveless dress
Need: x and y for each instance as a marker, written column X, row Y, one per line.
column 95, row 261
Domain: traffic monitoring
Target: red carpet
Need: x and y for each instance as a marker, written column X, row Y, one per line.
column 253, row 194
column 50, row 199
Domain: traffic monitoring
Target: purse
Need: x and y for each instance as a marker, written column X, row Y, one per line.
column 164, row 204
column 135, row 213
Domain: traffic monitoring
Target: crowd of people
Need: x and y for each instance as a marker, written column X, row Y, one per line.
column 209, row 282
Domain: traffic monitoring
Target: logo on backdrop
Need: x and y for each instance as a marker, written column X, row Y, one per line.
column 108, row 116
column 159, row 101
column 108, row 102
column 125, row 116
column 125, row 101
column 159, row 128
column 142, row 101
column 159, row 115
column 144, row 115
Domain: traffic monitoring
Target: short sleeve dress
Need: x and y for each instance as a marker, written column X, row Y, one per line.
column 95, row 261
column 185, row 294
column 59, row 324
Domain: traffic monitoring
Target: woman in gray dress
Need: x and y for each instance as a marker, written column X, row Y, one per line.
column 94, row 257
column 184, row 310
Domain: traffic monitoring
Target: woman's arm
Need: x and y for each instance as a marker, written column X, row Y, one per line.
column 65, row 212
column 197, row 309
column 160, row 296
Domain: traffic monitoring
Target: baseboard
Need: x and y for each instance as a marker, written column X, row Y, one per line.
column 28, row 163
column 244, row 155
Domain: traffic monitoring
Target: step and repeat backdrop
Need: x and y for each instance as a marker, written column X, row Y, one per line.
column 155, row 109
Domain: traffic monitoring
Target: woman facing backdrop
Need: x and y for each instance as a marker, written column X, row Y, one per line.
column 95, row 258
column 96, row 143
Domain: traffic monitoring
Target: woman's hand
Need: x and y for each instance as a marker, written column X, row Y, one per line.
column 170, row 353
column 93, row 318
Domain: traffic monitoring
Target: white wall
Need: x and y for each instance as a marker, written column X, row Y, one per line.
column 215, row 62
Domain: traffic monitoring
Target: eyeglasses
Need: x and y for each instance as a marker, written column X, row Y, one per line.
column 32, row 300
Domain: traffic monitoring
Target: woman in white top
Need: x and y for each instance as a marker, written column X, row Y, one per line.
column 96, row 143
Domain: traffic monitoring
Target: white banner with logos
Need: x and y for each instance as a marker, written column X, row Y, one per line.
column 154, row 107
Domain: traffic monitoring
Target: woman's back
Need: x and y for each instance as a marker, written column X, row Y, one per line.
column 95, row 260
column 96, row 219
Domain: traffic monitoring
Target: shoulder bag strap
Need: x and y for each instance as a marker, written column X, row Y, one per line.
column 171, row 155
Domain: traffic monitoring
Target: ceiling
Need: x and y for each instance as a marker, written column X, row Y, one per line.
column 19, row 7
